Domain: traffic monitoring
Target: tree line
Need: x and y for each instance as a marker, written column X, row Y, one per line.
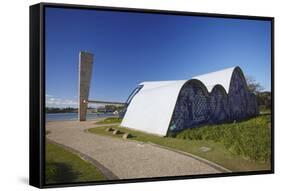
column 263, row 97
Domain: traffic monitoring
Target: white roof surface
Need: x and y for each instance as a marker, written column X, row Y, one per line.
column 151, row 109
column 221, row 77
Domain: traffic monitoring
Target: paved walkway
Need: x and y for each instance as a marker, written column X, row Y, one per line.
column 125, row 159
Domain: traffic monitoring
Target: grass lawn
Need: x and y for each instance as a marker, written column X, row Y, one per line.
column 250, row 139
column 110, row 120
column 218, row 153
column 62, row 166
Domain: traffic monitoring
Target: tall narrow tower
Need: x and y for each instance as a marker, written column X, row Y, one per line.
column 85, row 74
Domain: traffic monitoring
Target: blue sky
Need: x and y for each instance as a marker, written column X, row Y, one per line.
column 133, row 47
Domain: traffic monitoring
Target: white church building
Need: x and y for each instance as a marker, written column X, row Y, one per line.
column 160, row 107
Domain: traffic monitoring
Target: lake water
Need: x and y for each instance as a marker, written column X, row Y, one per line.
column 74, row 116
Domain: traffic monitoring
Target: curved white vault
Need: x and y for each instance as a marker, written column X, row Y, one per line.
column 151, row 109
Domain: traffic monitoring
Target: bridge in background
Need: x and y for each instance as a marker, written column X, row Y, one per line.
column 106, row 102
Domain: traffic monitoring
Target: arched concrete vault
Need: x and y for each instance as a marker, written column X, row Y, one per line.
column 216, row 97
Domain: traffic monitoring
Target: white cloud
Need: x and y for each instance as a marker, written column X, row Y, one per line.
column 61, row 103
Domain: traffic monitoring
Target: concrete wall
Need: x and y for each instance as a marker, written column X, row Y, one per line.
column 85, row 75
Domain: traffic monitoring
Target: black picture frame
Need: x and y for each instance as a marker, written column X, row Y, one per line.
column 37, row 93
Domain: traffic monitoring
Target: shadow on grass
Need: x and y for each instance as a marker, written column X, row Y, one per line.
column 60, row 173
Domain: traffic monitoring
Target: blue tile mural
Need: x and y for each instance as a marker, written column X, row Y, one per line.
column 196, row 106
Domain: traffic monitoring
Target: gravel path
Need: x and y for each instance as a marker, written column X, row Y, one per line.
column 125, row 159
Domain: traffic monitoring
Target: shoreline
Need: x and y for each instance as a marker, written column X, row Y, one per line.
column 74, row 116
column 88, row 120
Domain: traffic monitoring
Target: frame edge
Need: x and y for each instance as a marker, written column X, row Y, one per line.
column 35, row 170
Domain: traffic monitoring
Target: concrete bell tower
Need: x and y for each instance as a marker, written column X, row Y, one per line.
column 85, row 75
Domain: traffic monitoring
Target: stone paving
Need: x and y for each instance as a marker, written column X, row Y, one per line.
column 125, row 159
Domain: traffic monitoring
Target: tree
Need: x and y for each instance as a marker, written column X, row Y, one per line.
column 110, row 108
column 263, row 97
column 264, row 100
column 253, row 85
